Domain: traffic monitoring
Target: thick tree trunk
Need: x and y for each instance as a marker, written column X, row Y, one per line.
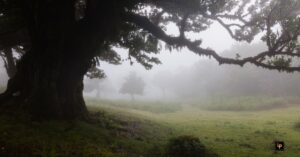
column 49, row 77
column 48, row 89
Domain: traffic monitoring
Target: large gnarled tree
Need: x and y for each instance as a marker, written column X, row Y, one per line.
column 66, row 39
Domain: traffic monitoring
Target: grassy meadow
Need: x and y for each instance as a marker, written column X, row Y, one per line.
column 232, row 127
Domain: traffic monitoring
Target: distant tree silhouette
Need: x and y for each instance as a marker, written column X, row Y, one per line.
column 99, row 85
column 133, row 85
column 207, row 78
column 163, row 80
column 91, row 85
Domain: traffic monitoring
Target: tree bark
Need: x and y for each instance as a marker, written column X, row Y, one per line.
column 49, row 78
column 48, row 89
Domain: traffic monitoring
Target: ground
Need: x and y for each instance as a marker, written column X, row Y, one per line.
column 126, row 129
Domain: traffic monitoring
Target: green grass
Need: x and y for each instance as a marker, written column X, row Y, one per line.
column 232, row 133
column 241, row 133
column 246, row 103
column 150, row 106
column 108, row 136
column 123, row 129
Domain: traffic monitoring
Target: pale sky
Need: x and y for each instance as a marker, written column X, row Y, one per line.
column 215, row 37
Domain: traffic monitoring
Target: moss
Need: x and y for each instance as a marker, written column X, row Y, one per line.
column 26, row 138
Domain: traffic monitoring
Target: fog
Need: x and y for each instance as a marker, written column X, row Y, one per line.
column 3, row 75
column 184, row 75
column 194, row 77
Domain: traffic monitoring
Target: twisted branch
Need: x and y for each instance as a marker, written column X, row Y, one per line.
column 181, row 41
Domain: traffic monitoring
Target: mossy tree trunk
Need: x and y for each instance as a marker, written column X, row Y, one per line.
column 48, row 88
column 49, row 77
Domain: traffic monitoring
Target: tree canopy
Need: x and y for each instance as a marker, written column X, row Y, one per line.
column 140, row 24
column 64, row 40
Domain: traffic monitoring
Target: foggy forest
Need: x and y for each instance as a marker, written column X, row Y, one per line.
column 150, row 78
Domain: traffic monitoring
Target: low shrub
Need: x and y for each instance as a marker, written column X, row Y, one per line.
column 185, row 146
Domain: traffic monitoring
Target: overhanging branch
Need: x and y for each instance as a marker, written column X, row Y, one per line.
column 180, row 41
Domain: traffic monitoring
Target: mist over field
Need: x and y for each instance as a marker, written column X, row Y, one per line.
column 194, row 97
column 233, row 110
column 184, row 77
column 169, row 78
column 3, row 76
column 187, row 77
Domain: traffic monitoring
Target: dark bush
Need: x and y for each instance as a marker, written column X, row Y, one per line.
column 185, row 146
